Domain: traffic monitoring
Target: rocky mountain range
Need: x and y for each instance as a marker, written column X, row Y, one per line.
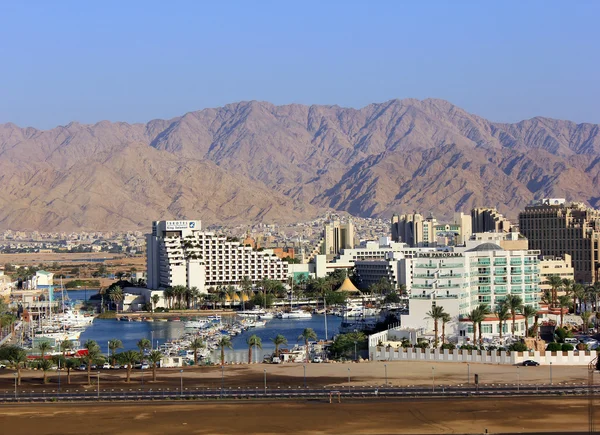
column 254, row 161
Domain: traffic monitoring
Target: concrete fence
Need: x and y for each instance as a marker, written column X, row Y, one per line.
column 383, row 353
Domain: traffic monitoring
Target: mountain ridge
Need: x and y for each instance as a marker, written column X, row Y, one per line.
column 251, row 161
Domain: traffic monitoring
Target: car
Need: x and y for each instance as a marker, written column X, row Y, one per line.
column 144, row 366
column 317, row 359
column 115, row 367
column 82, row 367
column 2, row 366
column 530, row 362
column 571, row 340
column 105, row 366
column 93, row 367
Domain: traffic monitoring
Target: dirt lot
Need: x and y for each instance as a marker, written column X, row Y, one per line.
column 317, row 375
column 560, row 415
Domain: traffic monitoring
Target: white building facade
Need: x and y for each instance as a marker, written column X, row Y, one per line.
column 180, row 253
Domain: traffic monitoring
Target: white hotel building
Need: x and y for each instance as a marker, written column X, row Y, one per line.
column 460, row 281
column 179, row 253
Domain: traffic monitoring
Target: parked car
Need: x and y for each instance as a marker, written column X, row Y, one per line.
column 82, row 367
column 317, row 359
column 105, row 366
column 2, row 366
column 93, row 367
column 530, row 362
column 115, row 367
column 571, row 340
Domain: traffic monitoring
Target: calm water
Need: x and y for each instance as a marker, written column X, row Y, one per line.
column 129, row 333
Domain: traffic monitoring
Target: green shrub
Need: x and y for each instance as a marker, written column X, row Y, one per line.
column 450, row 346
column 567, row 347
column 561, row 334
column 518, row 347
column 554, row 347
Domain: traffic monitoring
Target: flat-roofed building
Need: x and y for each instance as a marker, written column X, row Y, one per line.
column 556, row 227
column 555, row 266
column 486, row 219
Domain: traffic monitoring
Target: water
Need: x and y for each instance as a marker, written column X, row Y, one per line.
column 130, row 333
column 80, row 295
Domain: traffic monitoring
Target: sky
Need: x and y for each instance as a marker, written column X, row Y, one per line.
column 134, row 61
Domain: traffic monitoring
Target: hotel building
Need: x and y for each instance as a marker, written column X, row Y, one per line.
column 179, row 253
column 557, row 228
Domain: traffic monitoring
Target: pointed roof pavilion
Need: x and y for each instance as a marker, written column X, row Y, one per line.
column 348, row 287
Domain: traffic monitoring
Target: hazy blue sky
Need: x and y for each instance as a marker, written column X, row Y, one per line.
column 138, row 60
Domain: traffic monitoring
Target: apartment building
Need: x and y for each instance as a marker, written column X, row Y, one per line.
column 555, row 266
column 459, row 281
column 485, row 219
column 556, row 227
column 337, row 235
column 414, row 230
column 179, row 253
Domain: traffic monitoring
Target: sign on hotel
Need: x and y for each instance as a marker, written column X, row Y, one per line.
column 179, row 225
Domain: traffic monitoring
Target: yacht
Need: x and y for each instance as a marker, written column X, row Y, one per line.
column 296, row 314
column 197, row 324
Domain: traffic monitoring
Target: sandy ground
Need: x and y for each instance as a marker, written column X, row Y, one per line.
column 560, row 415
column 317, row 375
column 36, row 258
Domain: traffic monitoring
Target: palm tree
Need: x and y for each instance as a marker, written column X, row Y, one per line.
column 278, row 341
column 71, row 364
column 93, row 351
column 514, row 303
column 224, row 342
column 155, row 300
column 484, row 309
column 113, row 345
column 16, row 357
column 502, row 312
column 585, row 316
column 246, row 286
column 231, row 293
column 44, row 347
column 445, row 319
column 436, row 313
column 116, row 296
column 102, row 292
column 578, row 294
column 155, row 357
column 474, row 317
column 45, row 365
column 129, row 358
column 168, row 295
column 66, row 345
column 196, row 345
column 253, row 340
column 143, row 345
column 527, row 311
column 567, row 285
column 307, row 334
column 564, row 301
column 555, row 282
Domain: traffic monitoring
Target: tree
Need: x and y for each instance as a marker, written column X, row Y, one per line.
column 224, row 342
column 16, row 358
column 578, row 293
column 564, row 301
column 436, row 313
column 445, row 319
column 484, row 310
column 168, row 296
column 527, row 311
column 143, row 345
column 65, row 346
column 44, row 347
column 343, row 344
column 129, row 358
column 253, row 340
column 502, row 312
column 585, row 316
column 155, row 300
column 307, row 334
column 113, row 345
column 475, row 317
column 196, row 345
column 71, row 364
column 45, row 365
column 278, row 341
column 155, row 357
column 567, row 285
column 555, row 282
column 93, row 352
column 115, row 295
column 514, row 304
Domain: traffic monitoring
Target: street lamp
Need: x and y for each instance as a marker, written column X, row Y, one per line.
column 518, row 380
column 304, row 367
column 59, row 375
column 433, row 379
column 550, row 372
column 98, row 385
column 16, row 377
column 181, row 384
column 222, row 379
column 348, row 377
column 468, row 373
column 385, row 367
column 265, row 372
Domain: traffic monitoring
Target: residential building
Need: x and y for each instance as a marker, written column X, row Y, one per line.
column 414, row 230
column 555, row 266
column 556, row 227
column 480, row 273
column 485, row 219
column 337, row 235
column 180, row 253
column 512, row 241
